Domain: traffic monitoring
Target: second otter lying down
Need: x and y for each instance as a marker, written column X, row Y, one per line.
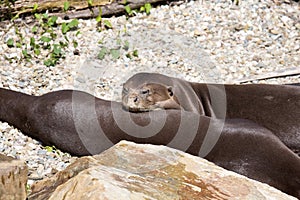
column 276, row 107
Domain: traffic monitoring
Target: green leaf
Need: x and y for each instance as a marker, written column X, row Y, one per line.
column 10, row 42
column 142, row 9
column 45, row 39
column 102, row 53
column 101, row 40
column 107, row 24
column 135, row 53
column 64, row 28
column 34, row 29
column 18, row 45
column 45, row 15
column 72, row 24
column 125, row 29
column 67, row 40
column 57, row 50
column 77, row 33
column 63, row 44
column 53, row 35
column 35, row 7
column 128, row 10
column 37, row 16
column 25, row 54
column 75, row 43
column 115, row 53
column 37, row 51
column 126, row 45
column 48, row 148
column 148, row 8
column 66, row 6
column 99, row 17
column 52, row 21
column 90, row 3
column 119, row 41
column 32, row 42
column 50, row 62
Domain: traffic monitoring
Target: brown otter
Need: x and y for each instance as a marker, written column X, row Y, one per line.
column 81, row 124
column 182, row 90
column 276, row 107
column 150, row 96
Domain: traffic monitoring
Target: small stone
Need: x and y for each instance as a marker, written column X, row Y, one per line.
column 274, row 31
column 197, row 32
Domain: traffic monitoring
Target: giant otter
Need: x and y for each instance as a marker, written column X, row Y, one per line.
column 149, row 96
column 276, row 107
column 81, row 124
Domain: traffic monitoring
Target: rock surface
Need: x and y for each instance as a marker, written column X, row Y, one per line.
column 135, row 171
column 13, row 176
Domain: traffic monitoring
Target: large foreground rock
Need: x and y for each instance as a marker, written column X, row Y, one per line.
column 13, row 178
column 134, row 171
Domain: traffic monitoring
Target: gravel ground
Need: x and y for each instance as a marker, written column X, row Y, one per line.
column 199, row 41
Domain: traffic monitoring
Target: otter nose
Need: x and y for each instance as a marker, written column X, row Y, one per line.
column 134, row 99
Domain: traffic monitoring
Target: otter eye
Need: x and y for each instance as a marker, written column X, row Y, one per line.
column 145, row 91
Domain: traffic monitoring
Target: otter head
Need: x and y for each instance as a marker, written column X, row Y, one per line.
column 149, row 96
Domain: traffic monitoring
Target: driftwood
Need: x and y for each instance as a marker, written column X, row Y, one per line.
column 78, row 8
column 275, row 74
column 13, row 176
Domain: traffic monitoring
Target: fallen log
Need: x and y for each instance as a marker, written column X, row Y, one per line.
column 77, row 8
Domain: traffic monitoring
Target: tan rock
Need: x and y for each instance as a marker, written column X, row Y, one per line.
column 13, row 178
column 135, row 171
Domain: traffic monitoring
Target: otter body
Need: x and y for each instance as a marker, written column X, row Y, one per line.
column 276, row 107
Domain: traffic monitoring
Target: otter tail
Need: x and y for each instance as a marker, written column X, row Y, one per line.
column 14, row 107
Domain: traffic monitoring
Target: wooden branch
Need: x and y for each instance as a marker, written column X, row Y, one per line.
column 114, row 8
column 78, row 8
column 275, row 74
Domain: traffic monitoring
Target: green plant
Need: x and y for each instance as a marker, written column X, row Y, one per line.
column 102, row 53
column 102, row 24
column 145, row 8
column 49, row 148
column 116, row 52
column 134, row 53
column 69, row 26
column 90, row 3
column 10, row 42
column 45, row 39
column 128, row 10
column 66, row 6
column 35, row 7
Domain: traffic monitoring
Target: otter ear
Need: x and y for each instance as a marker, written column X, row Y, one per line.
column 125, row 90
column 170, row 90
